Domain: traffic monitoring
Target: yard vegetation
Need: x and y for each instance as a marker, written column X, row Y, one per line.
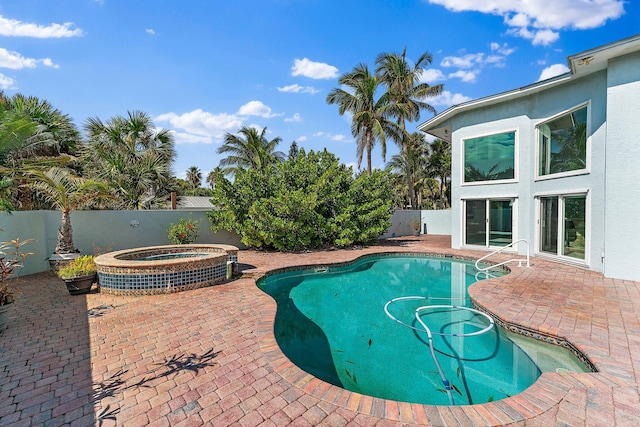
column 289, row 202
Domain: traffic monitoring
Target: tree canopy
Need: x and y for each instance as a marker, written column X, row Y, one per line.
column 308, row 201
column 133, row 157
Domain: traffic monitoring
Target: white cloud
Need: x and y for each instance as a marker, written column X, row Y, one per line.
column 296, row 88
column 49, row 63
column 465, row 76
column 497, row 57
column 6, row 82
column 302, row 139
column 150, row 31
column 188, row 138
column 502, row 49
column 199, row 126
column 466, row 61
column 296, row 118
column 15, row 61
column 315, row 70
column 553, row 71
column 431, row 75
column 331, row 136
column 470, row 64
column 15, row 28
column 256, row 108
column 545, row 37
column 540, row 20
column 448, row 99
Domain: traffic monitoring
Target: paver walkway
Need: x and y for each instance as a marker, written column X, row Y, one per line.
column 208, row 356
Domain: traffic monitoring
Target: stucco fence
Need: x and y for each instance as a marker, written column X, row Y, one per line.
column 103, row 231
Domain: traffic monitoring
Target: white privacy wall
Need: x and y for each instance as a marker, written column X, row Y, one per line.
column 100, row 231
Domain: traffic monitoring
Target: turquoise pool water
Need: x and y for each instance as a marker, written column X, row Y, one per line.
column 331, row 322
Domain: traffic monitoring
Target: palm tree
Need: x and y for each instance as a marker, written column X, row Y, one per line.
column 249, row 150
column 213, row 176
column 64, row 190
column 132, row 157
column 368, row 121
column 58, row 134
column 39, row 134
column 194, row 177
column 406, row 95
column 15, row 130
column 440, row 168
column 421, row 182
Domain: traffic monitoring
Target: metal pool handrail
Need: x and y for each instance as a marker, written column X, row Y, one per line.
column 504, row 262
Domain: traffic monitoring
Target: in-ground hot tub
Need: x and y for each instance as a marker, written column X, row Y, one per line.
column 165, row 269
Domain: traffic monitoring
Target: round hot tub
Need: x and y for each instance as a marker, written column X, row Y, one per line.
column 165, row 269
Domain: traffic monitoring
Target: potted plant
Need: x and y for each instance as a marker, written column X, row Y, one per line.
column 66, row 191
column 79, row 275
column 11, row 262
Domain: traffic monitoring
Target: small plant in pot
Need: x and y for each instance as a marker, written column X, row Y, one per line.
column 11, row 262
column 79, row 275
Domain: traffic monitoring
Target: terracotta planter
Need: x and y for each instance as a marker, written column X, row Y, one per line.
column 81, row 284
column 5, row 310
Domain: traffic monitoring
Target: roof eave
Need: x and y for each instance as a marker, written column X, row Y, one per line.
column 436, row 126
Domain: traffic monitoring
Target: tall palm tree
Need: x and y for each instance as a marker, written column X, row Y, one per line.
column 249, row 150
column 133, row 157
column 368, row 121
column 406, row 95
column 66, row 191
column 194, row 177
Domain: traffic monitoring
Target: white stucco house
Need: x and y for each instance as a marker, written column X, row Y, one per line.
column 556, row 163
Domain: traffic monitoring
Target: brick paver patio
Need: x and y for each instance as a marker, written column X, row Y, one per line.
column 208, row 356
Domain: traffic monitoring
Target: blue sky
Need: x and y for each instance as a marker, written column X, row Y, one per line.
column 203, row 68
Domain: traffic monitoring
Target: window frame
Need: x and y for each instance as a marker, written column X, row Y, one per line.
column 516, row 150
column 584, row 171
column 487, row 200
column 561, row 196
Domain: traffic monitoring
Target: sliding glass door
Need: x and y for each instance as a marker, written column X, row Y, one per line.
column 563, row 225
column 488, row 222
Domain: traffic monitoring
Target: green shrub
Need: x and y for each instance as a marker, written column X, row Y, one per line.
column 81, row 266
column 184, row 232
column 309, row 201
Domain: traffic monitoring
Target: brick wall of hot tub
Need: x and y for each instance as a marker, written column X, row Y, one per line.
column 175, row 277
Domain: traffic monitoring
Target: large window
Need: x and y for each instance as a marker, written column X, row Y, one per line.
column 563, row 225
column 488, row 222
column 562, row 143
column 490, row 158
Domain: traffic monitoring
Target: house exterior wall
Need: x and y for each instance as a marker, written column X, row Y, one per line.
column 622, row 219
column 522, row 115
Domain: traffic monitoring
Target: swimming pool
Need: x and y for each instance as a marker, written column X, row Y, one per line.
column 331, row 322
